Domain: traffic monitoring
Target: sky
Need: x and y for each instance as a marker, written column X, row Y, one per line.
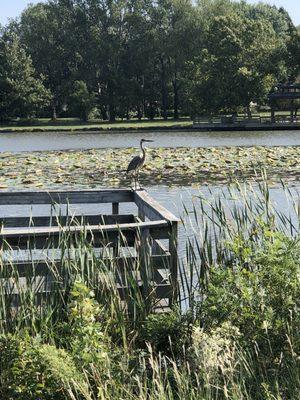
column 13, row 8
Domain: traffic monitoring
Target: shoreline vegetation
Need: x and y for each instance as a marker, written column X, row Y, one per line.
column 111, row 60
column 238, row 338
column 75, row 125
column 172, row 167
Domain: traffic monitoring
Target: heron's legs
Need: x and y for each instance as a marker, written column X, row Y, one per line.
column 134, row 180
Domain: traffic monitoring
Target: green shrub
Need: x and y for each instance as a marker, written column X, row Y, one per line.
column 31, row 370
column 166, row 333
column 87, row 341
column 259, row 292
column 256, row 297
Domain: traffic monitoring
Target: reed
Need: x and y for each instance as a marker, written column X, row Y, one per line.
column 232, row 335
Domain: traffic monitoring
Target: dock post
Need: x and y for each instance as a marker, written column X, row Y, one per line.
column 141, row 214
column 115, row 208
column 273, row 120
column 115, row 211
column 173, row 247
column 145, row 266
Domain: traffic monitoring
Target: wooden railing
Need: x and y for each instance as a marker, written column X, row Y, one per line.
column 142, row 232
column 245, row 120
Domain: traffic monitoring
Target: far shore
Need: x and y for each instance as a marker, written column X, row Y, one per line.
column 187, row 128
column 184, row 125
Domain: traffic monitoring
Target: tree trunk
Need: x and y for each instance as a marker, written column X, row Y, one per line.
column 112, row 113
column 104, row 114
column 176, row 97
column 54, row 114
column 143, row 105
column 139, row 112
column 249, row 114
column 111, row 101
column 272, row 115
column 164, row 94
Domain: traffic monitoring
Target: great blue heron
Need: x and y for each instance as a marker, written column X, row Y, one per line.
column 137, row 162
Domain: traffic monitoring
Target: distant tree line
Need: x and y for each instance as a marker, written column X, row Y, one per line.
column 143, row 58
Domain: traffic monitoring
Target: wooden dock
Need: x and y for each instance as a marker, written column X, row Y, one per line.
column 146, row 240
column 244, row 123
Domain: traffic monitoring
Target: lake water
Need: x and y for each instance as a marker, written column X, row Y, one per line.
column 178, row 200
column 173, row 198
column 39, row 141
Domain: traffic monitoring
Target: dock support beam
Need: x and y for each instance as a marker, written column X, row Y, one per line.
column 115, row 208
column 173, row 246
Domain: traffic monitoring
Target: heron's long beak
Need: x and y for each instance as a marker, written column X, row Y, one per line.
column 148, row 140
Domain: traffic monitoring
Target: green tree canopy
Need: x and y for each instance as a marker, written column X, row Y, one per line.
column 46, row 31
column 152, row 58
column 81, row 100
column 22, row 92
column 242, row 58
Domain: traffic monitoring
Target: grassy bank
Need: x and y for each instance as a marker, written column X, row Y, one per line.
column 73, row 124
column 238, row 340
column 106, row 167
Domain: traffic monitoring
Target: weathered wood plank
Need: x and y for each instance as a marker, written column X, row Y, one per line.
column 40, row 231
column 54, row 240
column 122, row 265
column 157, row 261
column 65, row 197
column 13, row 300
column 162, row 291
column 22, row 269
column 151, row 208
column 25, row 222
column 98, row 235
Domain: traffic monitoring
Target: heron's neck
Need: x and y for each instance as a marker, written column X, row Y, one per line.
column 143, row 150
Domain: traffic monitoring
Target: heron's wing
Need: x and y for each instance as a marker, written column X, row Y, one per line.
column 134, row 163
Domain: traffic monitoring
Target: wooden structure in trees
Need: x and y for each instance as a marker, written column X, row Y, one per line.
column 145, row 241
column 285, row 97
column 245, row 123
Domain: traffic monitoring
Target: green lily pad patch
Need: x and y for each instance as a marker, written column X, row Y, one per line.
column 179, row 166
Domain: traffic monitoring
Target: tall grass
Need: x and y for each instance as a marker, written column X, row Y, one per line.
column 239, row 211
column 232, row 335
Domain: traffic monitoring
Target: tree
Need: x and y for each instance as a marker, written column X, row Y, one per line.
column 178, row 35
column 293, row 52
column 82, row 101
column 144, row 57
column 22, row 92
column 46, row 32
column 140, row 86
column 243, row 57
